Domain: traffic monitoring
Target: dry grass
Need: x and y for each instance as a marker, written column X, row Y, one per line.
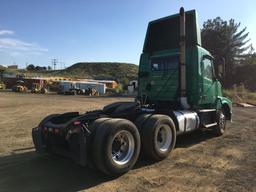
column 240, row 95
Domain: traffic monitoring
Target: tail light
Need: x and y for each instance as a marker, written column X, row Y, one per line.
column 56, row 131
column 77, row 123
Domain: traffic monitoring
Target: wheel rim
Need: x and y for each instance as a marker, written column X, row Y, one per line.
column 222, row 121
column 122, row 147
column 164, row 138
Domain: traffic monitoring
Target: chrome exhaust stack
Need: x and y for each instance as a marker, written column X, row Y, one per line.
column 183, row 91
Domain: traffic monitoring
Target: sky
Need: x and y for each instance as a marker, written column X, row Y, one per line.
column 95, row 30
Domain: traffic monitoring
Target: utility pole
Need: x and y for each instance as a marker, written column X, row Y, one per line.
column 54, row 63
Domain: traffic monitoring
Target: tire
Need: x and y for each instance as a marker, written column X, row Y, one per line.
column 141, row 120
column 221, row 123
column 154, row 146
column 107, row 149
column 93, row 129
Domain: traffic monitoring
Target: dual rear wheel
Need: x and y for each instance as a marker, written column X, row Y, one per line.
column 116, row 146
column 158, row 136
column 117, row 142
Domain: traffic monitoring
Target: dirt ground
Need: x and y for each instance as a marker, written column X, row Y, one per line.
column 200, row 161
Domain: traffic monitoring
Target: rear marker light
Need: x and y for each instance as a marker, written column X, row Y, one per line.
column 56, row 131
column 77, row 123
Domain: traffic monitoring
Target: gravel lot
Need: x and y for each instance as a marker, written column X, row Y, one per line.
column 200, row 162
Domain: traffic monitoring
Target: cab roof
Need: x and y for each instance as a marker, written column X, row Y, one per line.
column 164, row 33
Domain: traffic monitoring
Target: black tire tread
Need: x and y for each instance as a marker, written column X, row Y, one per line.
column 141, row 120
column 106, row 130
column 98, row 144
column 148, row 136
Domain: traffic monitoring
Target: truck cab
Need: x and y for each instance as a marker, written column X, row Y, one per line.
column 160, row 72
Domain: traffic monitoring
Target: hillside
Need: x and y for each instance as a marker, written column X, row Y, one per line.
column 102, row 70
column 97, row 70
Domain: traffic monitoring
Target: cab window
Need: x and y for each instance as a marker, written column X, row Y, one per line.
column 207, row 68
column 165, row 63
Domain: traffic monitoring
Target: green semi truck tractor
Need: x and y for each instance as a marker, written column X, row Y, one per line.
column 179, row 92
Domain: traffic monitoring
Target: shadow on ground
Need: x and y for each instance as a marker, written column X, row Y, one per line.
column 32, row 172
column 28, row 171
column 184, row 141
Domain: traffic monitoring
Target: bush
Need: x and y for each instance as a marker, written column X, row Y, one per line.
column 119, row 88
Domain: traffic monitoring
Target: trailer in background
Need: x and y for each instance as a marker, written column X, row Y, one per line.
column 65, row 87
column 71, row 87
column 99, row 87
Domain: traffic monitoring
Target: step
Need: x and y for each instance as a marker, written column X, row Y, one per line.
column 206, row 110
column 210, row 125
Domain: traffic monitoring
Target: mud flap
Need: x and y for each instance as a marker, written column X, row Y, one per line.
column 83, row 149
column 37, row 139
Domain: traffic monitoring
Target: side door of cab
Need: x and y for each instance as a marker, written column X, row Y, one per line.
column 208, row 81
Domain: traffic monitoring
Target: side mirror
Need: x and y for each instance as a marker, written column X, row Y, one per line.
column 221, row 69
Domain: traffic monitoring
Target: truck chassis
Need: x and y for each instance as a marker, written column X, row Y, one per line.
column 112, row 139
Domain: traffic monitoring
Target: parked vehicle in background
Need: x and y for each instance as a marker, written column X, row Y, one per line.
column 37, row 88
column 20, row 87
column 2, row 85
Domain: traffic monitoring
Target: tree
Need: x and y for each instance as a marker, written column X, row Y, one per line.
column 49, row 68
column 124, row 81
column 224, row 40
column 30, row 67
column 245, row 72
column 245, row 75
column 249, row 59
